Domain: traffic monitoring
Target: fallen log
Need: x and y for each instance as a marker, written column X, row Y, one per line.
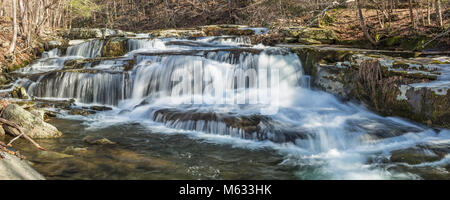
column 21, row 134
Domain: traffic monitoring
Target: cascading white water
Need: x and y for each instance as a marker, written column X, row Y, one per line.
column 89, row 49
column 242, row 40
column 135, row 44
column 309, row 125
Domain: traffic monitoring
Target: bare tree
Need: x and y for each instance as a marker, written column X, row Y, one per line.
column 438, row 13
column 411, row 14
column 14, row 40
column 363, row 24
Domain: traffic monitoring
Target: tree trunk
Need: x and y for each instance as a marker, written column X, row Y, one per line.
column 363, row 24
column 14, row 40
column 428, row 12
column 438, row 13
column 411, row 14
column 2, row 10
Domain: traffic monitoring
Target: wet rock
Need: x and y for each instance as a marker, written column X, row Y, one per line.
column 34, row 126
column 128, row 156
column 19, row 93
column 75, row 150
column 3, row 79
column 82, row 112
column 52, row 155
column 115, row 47
column 46, row 103
column 100, row 108
column 413, row 156
column 61, row 44
column 97, row 141
column 13, row 168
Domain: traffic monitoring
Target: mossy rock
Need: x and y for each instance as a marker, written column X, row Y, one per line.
column 311, row 35
column 115, row 47
column 400, row 42
column 308, row 41
column 15, row 67
column 226, row 30
column 327, row 20
column 412, row 156
column 19, row 93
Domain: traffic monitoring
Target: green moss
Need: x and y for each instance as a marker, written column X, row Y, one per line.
column 406, row 43
column 225, row 30
column 437, row 62
column 115, row 47
column 15, row 67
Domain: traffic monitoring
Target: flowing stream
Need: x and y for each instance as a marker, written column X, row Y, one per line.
column 218, row 108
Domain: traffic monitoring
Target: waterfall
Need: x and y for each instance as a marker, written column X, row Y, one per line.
column 223, row 87
column 89, row 49
column 250, row 93
column 135, row 44
column 227, row 40
column 96, row 88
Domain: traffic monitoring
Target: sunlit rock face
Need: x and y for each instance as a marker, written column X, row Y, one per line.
column 413, row 88
column 32, row 123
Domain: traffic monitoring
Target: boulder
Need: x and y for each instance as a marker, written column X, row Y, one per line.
column 115, row 47
column 19, row 93
column 75, row 150
column 97, row 140
column 32, row 124
column 3, row 79
column 61, row 44
column 52, row 155
column 13, row 168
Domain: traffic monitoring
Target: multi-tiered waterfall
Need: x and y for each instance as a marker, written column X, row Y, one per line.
column 224, row 86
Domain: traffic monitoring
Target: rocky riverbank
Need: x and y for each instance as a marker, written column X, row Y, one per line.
column 31, row 122
column 412, row 85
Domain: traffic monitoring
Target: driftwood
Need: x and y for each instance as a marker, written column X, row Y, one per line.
column 21, row 134
column 4, row 148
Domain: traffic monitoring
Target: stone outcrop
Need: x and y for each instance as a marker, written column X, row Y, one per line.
column 13, row 168
column 183, row 33
column 414, row 88
column 32, row 123
column 202, row 31
column 309, row 35
column 115, row 47
column 87, row 33
column 19, row 93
